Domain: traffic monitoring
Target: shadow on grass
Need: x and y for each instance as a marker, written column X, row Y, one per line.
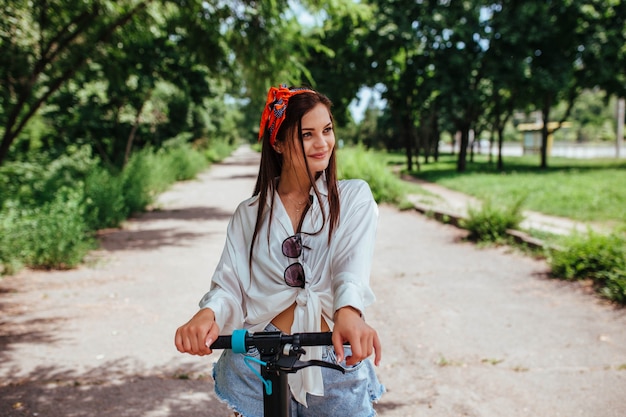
column 446, row 166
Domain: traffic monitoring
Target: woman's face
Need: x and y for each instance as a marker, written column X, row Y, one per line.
column 318, row 138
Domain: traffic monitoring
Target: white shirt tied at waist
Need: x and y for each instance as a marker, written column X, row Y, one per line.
column 307, row 315
column 337, row 275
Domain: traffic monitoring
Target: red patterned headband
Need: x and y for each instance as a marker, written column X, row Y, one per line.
column 274, row 111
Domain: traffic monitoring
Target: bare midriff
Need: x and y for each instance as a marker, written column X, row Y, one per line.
column 285, row 319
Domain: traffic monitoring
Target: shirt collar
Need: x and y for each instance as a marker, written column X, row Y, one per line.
column 321, row 184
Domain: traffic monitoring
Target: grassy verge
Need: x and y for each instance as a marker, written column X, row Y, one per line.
column 584, row 190
column 356, row 162
column 50, row 210
column 591, row 191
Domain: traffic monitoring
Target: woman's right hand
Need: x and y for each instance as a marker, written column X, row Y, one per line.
column 197, row 335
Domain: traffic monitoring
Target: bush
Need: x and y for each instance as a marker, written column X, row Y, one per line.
column 601, row 258
column 612, row 284
column 141, row 179
column 359, row 163
column 104, row 200
column 490, row 223
column 48, row 210
column 218, row 150
column 37, row 182
column 50, row 236
column 149, row 173
column 185, row 163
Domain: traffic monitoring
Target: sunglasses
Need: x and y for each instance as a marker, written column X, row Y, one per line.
column 294, row 274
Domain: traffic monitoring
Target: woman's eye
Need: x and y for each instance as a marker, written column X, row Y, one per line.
column 328, row 130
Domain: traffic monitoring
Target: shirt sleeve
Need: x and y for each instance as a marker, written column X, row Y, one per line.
column 353, row 248
column 225, row 296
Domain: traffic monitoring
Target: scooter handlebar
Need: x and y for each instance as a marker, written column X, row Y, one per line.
column 249, row 340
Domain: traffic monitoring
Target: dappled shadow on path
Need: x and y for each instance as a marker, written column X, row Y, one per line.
column 383, row 406
column 37, row 331
column 237, row 177
column 52, row 393
column 143, row 233
column 252, row 159
column 126, row 240
column 186, row 213
column 18, row 326
column 121, row 387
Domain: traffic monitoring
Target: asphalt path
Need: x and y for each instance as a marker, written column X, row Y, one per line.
column 466, row 331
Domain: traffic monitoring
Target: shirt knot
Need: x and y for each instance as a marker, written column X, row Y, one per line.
column 302, row 298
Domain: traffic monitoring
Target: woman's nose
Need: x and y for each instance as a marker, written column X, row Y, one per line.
column 320, row 141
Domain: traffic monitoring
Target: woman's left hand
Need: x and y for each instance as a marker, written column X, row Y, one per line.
column 350, row 327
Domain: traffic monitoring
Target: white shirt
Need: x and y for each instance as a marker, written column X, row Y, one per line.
column 337, row 275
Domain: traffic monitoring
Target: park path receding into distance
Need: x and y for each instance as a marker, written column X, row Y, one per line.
column 466, row 331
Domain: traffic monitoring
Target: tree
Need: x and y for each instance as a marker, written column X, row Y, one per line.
column 458, row 45
column 604, row 56
column 504, row 68
column 54, row 39
column 129, row 47
column 338, row 61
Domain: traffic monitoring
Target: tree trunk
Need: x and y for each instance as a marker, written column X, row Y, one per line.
column 7, row 140
column 461, row 162
column 619, row 137
column 500, row 142
column 133, row 131
column 545, row 114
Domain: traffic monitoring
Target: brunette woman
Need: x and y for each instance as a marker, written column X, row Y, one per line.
column 297, row 259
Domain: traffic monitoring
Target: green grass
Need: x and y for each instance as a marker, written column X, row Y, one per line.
column 591, row 190
column 50, row 211
column 584, row 190
column 356, row 162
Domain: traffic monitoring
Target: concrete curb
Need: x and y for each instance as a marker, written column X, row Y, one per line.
column 449, row 217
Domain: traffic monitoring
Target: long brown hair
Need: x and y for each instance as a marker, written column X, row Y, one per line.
column 272, row 163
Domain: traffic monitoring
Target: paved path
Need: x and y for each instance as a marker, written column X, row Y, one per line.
column 467, row 331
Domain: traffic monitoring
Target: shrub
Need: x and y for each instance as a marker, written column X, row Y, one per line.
column 104, row 199
column 359, row 163
column 48, row 210
column 149, row 173
column 65, row 171
column 490, row 223
column 612, row 284
column 217, row 150
column 37, row 182
column 599, row 257
column 185, row 163
column 141, row 179
column 50, row 236
column 13, row 245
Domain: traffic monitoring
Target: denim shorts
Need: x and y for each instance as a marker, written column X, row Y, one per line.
column 356, row 390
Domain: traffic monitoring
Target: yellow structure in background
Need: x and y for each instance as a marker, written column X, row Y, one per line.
column 531, row 136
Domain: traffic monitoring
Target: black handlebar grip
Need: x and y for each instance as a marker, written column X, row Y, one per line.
column 316, row 339
column 303, row 339
column 222, row 342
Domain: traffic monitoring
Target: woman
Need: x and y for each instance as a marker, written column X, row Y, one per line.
column 297, row 259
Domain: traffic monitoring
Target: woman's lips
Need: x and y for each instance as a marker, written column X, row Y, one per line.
column 320, row 155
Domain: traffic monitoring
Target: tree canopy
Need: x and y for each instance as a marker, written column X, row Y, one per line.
column 119, row 75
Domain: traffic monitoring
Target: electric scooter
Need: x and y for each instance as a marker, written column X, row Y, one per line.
column 279, row 356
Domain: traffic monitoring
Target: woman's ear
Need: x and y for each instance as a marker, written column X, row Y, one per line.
column 277, row 148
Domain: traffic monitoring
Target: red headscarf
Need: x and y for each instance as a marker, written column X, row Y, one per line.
column 274, row 111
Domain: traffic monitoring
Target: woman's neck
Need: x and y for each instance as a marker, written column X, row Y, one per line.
column 293, row 187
